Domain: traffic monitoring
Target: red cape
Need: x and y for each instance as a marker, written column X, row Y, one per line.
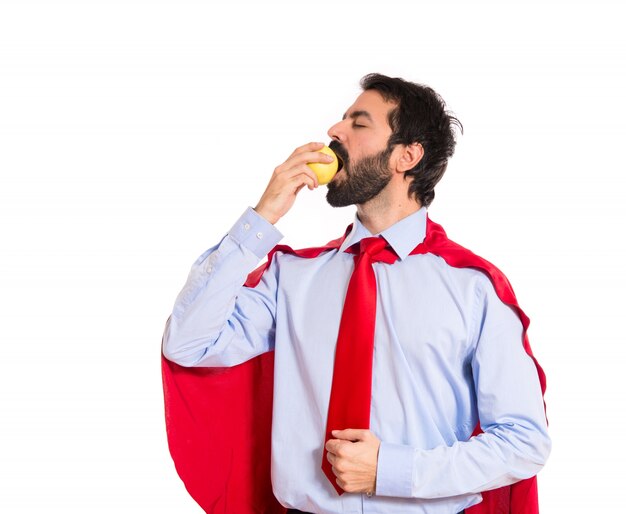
column 218, row 420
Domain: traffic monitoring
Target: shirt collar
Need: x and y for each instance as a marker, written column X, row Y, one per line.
column 403, row 236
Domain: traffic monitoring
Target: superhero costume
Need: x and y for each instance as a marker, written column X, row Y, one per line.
column 219, row 419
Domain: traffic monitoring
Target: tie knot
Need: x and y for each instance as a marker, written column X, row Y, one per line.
column 377, row 248
column 372, row 245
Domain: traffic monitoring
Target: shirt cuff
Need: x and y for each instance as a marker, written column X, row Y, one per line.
column 255, row 233
column 394, row 476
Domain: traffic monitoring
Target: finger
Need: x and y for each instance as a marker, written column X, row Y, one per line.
column 309, row 147
column 307, row 157
column 334, row 446
column 331, row 446
column 295, row 162
column 311, row 176
column 288, row 173
column 351, row 434
column 304, row 179
column 304, row 173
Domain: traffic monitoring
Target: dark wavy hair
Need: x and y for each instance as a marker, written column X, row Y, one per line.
column 420, row 116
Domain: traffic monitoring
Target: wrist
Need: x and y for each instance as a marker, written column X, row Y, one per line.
column 394, row 473
column 253, row 232
column 266, row 214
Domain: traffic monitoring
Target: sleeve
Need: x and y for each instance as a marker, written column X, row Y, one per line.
column 514, row 444
column 216, row 321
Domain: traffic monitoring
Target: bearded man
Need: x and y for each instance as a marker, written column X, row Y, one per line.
column 403, row 381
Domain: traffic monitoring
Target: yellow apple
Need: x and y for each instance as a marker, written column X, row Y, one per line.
column 325, row 171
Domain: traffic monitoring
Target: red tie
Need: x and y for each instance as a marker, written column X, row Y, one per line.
column 351, row 392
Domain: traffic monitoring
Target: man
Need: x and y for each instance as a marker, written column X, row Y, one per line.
column 447, row 353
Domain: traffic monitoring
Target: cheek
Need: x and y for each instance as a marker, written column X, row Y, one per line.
column 360, row 150
column 368, row 146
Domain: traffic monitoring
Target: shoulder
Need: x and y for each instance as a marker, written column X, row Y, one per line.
column 282, row 256
column 465, row 283
column 284, row 253
column 458, row 256
column 302, row 261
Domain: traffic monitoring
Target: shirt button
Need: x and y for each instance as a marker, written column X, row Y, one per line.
column 259, row 235
column 209, row 268
column 246, row 226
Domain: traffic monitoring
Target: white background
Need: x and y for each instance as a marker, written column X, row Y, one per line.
column 133, row 133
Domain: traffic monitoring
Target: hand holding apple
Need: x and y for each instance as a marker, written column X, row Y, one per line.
column 290, row 177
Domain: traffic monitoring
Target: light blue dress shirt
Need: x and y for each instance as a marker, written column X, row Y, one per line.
column 447, row 352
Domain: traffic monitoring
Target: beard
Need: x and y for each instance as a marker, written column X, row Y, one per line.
column 364, row 179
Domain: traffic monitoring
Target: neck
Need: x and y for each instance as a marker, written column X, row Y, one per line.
column 383, row 211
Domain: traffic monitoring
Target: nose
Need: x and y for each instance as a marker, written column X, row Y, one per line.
column 336, row 132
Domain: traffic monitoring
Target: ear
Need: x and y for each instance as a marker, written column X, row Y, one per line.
column 410, row 156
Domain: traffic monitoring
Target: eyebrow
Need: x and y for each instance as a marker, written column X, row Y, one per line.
column 356, row 114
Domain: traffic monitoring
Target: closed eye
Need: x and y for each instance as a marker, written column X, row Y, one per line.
column 356, row 115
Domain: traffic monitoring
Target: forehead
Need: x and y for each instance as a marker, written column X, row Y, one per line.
column 374, row 104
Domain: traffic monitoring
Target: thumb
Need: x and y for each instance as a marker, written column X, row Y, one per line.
column 351, row 434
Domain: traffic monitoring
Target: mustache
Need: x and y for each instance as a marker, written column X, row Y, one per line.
column 340, row 151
